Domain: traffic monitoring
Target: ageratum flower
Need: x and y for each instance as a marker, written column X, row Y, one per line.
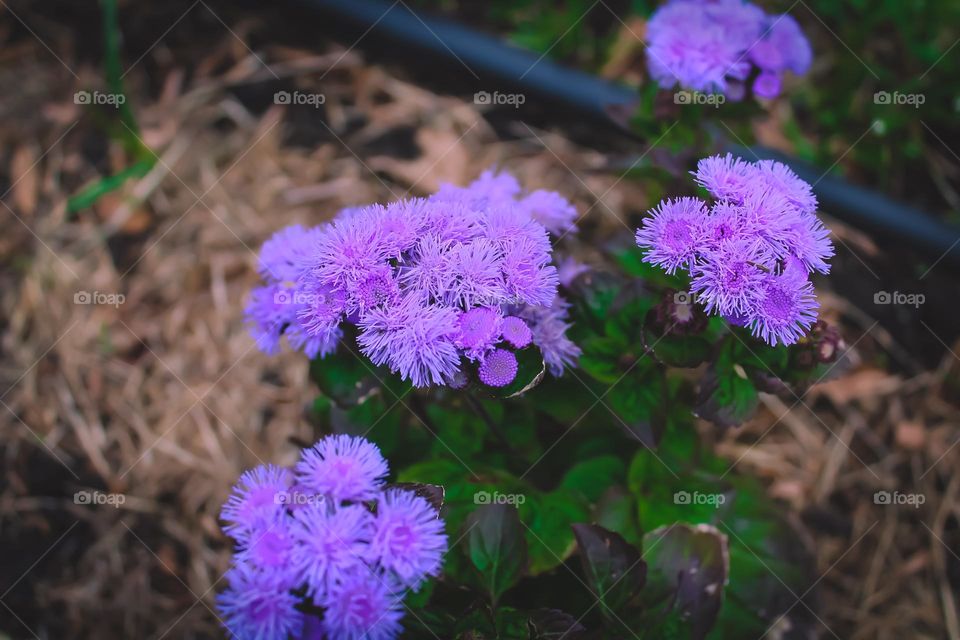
column 408, row 537
column 256, row 499
column 363, row 606
column 499, row 368
column 751, row 253
column 343, row 467
column 349, row 548
column 424, row 281
column 716, row 46
column 256, row 606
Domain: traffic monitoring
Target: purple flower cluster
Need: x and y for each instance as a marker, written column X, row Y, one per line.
column 433, row 285
column 721, row 45
column 326, row 534
column 749, row 254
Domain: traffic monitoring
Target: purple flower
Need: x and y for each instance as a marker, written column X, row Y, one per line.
column 527, row 273
column 474, row 274
column 257, row 606
column 749, row 257
column 270, row 550
column 785, row 309
column 362, row 606
column 726, row 177
column 498, row 368
column 337, row 540
column 409, row 275
column 793, row 48
column 414, row 340
column 516, row 332
column 330, row 543
column 426, row 273
column 549, row 327
column 713, row 46
column 671, row 233
column 781, row 178
column 728, row 277
column 256, row 500
column 551, row 210
column 492, row 188
column 477, row 331
column 409, row 537
column 348, row 251
column 283, row 255
column 342, row 467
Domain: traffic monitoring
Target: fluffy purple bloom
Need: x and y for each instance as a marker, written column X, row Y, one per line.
column 498, row 368
column 728, row 278
column 409, row 276
column 258, row 607
column 283, row 256
column 363, row 606
column 342, row 467
column 477, row 331
column 474, row 274
column 751, row 254
column 726, row 177
column 409, row 537
column 671, row 233
column 348, row 252
column 552, row 210
column 783, row 47
column 331, row 557
column 270, row 551
column 516, row 332
column 413, row 339
column 785, row 309
column 713, row 45
column 330, row 543
column 256, row 500
column 527, row 273
column 426, row 273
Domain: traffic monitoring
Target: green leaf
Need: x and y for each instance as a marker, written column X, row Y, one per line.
column 549, row 539
column 496, row 547
column 617, row 512
column 593, row 477
column 684, row 352
column 612, row 566
column 688, row 569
